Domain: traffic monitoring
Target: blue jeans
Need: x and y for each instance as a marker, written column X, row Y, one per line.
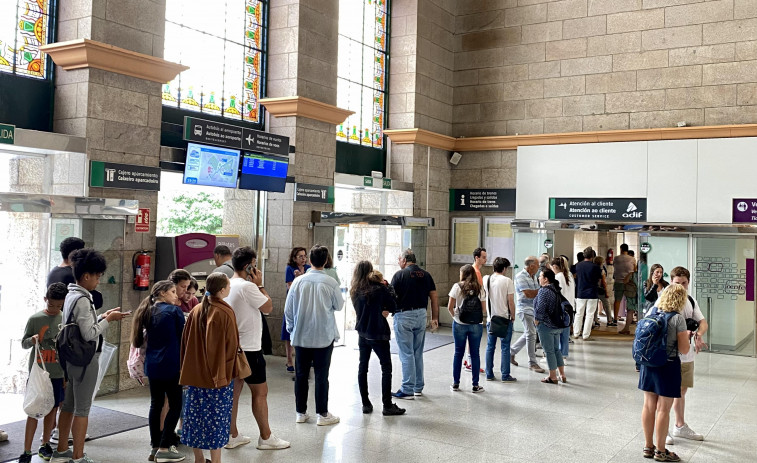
column 472, row 334
column 550, row 342
column 410, row 332
column 564, row 341
column 491, row 346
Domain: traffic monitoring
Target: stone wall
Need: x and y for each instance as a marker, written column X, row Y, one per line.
column 540, row 66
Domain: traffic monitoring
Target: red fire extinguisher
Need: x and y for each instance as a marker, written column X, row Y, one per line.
column 610, row 255
column 140, row 264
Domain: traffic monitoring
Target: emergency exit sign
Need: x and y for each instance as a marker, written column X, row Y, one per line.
column 7, row 134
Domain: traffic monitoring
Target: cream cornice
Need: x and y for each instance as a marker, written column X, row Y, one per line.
column 511, row 142
column 85, row 53
column 421, row 137
column 305, row 107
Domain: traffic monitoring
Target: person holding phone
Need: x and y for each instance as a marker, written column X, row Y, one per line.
column 296, row 267
column 88, row 266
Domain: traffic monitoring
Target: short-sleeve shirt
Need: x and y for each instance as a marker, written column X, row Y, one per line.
column 690, row 312
column 63, row 275
column 622, row 266
column 47, row 327
column 498, row 287
column 412, row 285
column 289, row 277
column 225, row 268
column 457, row 293
column 588, row 275
column 246, row 299
column 524, row 281
column 478, row 275
column 676, row 325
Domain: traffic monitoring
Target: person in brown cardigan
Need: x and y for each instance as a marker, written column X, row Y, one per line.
column 209, row 347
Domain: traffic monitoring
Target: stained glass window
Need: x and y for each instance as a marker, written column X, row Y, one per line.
column 361, row 71
column 223, row 46
column 23, row 30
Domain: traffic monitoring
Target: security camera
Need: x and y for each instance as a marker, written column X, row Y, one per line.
column 455, row 158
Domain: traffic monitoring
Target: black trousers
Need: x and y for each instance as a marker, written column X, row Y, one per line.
column 381, row 348
column 320, row 360
column 159, row 390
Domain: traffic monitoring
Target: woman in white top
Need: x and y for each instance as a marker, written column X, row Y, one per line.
column 499, row 302
column 467, row 288
column 568, row 291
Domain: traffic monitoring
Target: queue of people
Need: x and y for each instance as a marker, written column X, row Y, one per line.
column 198, row 354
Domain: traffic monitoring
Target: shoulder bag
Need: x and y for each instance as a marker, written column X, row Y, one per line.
column 498, row 326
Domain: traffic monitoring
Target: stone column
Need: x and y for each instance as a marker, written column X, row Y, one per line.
column 120, row 116
column 302, row 63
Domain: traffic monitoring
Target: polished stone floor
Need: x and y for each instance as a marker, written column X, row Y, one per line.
column 594, row 417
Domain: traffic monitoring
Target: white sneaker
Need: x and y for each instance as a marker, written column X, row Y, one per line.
column 327, row 419
column 272, row 443
column 686, row 432
column 669, row 440
column 302, row 418
column 235, row 442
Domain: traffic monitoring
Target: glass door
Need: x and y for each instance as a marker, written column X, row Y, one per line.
column 724, row 282
column 525, row 244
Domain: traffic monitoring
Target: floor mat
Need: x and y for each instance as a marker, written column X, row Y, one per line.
column 102, row 422
column 433, row 341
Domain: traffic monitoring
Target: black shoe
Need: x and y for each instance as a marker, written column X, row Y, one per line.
column 367, row 408
column 393, row 410
column 45, row 452
column 25, row 458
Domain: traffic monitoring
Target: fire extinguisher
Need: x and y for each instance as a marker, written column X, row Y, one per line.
column 610, row 255
column 140, row 264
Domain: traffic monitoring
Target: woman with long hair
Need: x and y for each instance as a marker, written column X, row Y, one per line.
column 468, row 286
column 159, row 323
column 373, row 302
column 547, row 300
column 654, row 285
column 209, row 365
column 568, row 291
column 663, row 384
column 182, row 279
column 296, row 267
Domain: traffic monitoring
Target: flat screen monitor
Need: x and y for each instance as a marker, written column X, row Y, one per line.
column 263, row 172
column 211, row 166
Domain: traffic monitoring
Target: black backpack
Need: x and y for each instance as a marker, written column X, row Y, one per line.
column 72, row 348
column 470, row 312
column 562, row 313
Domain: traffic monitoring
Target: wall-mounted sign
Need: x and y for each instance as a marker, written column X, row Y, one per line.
column 744, row 210
column 111, row 175
column 142, row 222
column 314, row 193
column 645, row 247
column 618, row 209
column 488, row 200
column 373, row 182
column 234, row 136
column 548, row 244
column 7, row 134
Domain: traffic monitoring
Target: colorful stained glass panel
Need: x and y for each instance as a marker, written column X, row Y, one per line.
column 23, row 30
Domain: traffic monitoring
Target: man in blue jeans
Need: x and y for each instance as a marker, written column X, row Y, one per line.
column 499, row 302
column 414, row 287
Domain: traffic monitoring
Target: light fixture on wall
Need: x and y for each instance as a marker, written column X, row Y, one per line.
column 455, row 158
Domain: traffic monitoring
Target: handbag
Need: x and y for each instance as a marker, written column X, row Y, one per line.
column 136, row 363
column 498, row 326
column 39, row 398
column 241, row 366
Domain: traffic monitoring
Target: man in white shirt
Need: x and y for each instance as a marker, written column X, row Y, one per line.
column 681, row 276
column 500, row 301
column 248, row 298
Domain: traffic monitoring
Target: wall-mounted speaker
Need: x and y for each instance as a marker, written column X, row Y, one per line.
column 455, row 158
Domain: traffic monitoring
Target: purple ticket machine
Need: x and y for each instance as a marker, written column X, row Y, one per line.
column 193, row 252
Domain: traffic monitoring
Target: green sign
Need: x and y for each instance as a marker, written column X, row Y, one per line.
column 387, row 183
column 7, row 134
column 368, row 181
column 645, row 247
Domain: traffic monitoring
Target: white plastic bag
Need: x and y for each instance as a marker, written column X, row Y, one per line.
column 39, row 398
column 108, row 351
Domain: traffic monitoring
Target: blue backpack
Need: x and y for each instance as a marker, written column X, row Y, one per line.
column 650, row 341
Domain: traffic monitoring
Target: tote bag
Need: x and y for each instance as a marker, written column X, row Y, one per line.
column 39, row 398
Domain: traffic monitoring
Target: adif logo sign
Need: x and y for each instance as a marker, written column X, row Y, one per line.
column 632, row 211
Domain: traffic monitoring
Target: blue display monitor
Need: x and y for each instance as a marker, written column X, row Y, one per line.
column 211, row 166
column 263, row 172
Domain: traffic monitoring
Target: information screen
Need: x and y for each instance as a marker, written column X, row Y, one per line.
column 263, row 172
column 211, row 166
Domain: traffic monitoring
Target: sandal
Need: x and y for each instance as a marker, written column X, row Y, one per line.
column 564, row 378
column 667, row 455
column 649, row 451
column 548, row 380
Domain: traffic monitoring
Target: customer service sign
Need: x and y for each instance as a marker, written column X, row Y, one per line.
column 616, row 209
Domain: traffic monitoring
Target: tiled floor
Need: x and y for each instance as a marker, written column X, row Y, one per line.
column 595, row 417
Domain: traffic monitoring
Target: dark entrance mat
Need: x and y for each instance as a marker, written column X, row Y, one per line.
column 431, row 342
column 103, row 422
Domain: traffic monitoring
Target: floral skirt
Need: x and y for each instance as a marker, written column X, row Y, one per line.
column 207, row 417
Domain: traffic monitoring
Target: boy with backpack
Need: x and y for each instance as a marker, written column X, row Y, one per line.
column 41, row 329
